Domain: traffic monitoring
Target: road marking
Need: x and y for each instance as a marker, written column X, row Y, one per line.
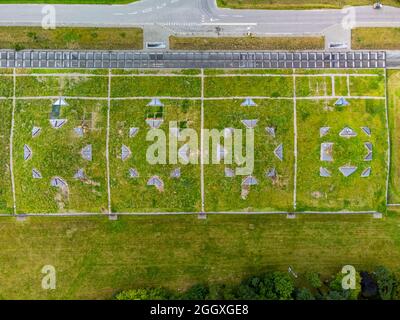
column 161, row 6
column 230, row 24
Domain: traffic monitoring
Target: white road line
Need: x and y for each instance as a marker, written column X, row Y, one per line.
column 108, row 141
column 12, row 143
column 295, row 144
column 202, row 143
column 229, row 24
column 388, row 140
column 163, row 5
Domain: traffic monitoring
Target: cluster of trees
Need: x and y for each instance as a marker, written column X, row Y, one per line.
column 379, row 284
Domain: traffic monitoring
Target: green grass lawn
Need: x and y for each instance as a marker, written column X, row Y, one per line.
column 248, row 86
column 72, row 38
column 77, row 86
column 56, row 152
column 225, row 193
column 95, row 258
column 341, row 86
column 338, row 192
column 133, row 194
column 313, row 86
column 6, row 201
column 376, row 38
column 394, row 123
column 367, row 86
column 132, row 86
column 246, row 43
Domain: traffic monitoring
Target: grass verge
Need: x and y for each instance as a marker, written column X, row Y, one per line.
column 246, row 43
column 375, row 38
column 20, row 38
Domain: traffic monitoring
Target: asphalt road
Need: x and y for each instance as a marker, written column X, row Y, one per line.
column 197, row 16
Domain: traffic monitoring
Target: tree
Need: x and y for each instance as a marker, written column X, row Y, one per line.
column 314, row 279
column 283, row 285
column 350, row 294
column 250, row 289
column 197, row 292
column 267, row 290
column 386, row 281
column 304, row 294
column 143, row 294
column 220, row 292
column 270, row 286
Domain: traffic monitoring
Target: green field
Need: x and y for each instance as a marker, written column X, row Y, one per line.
column 6, row 201
column 225, row 193
column 248, row 86
column 56, row 152
column 133, row 194
column 95, row 258
column 339, row 192
column 394, row 123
